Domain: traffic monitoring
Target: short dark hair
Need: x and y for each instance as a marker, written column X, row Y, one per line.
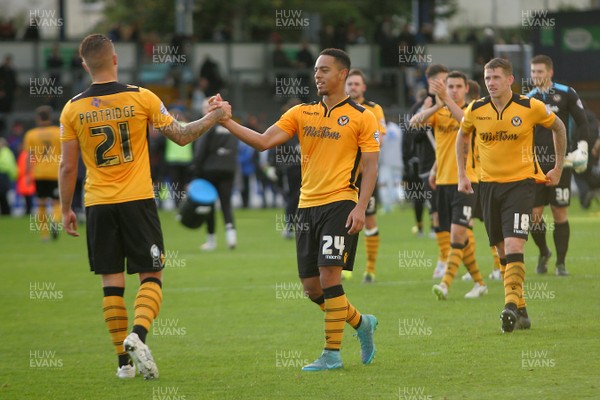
column 501, row 63
column 44, row 113
column 95, row 49
column 340, row 56
column 543, row 59
column 474, row 90
column 458, row 74
column 357, row 72
column 435, row 69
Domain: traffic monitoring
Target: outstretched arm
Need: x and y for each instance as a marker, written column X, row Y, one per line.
column 260, row 141
column 428, row 109
column 183, row 134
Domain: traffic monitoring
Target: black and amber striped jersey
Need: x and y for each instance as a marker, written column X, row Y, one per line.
column 506, row 139
column 110, row 122
column 446, row 129
column 331, row 143
column 378, row 112
column 43, row 146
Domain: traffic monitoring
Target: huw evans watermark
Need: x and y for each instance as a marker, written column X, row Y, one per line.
column 44, row 359
column 291, row 19
column 413, row 55
column 537, row 359
column 174, row 260
column 166, row 54
column 44, row 291
column 290, row 222
column 42, row 18
column 168, row 327
column 291, row 87
column 413, row 259
column 45, row 87
column 413, row 327
column 413, row 393
column 537, row 19
column 289, row 291
column 167, row 393
column 289, row 359
column 537, row 291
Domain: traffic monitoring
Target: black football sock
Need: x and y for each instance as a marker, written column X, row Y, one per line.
column 562, row 232
column 538, row 233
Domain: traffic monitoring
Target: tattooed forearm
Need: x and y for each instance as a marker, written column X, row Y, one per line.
column 462, row 150
column 187, row 133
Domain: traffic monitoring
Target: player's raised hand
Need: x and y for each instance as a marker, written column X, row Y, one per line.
column 553, row 176
column 437, row 87
column 70, row 223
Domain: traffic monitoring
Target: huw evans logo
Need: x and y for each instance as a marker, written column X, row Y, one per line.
column 413, row 55
column 536, row 19
column 290, row 87
column 290, row 19
column 168, row 55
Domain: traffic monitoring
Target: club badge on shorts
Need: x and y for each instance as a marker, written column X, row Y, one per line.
column 158, row 258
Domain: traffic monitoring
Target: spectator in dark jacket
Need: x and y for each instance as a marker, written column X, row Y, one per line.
column 8, row 85
column 215, row 160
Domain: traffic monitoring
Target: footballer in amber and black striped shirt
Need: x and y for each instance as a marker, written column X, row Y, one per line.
column 337, row 136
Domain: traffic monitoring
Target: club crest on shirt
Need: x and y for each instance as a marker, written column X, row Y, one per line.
column 556, row 97
column 343, row 120
column 516, row 121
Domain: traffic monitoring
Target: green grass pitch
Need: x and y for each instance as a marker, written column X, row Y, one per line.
column 234, row 325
